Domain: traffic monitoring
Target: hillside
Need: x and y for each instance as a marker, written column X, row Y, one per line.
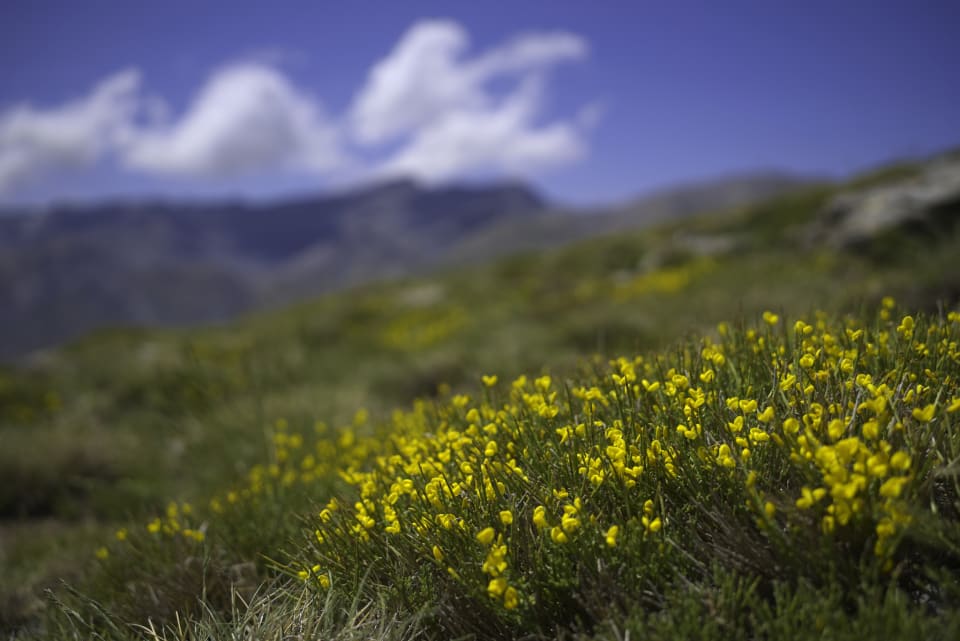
column 100, row 436
column 544, row 231
column 68, row 270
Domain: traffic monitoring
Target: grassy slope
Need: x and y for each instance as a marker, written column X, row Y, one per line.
column 128, row 420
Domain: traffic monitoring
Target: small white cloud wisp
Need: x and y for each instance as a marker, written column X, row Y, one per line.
column 429, row 109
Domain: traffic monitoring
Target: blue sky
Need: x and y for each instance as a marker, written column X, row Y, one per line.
column 591, row 102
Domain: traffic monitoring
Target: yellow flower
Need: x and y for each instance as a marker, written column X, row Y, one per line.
column 886, row 528
column 314, row 571
column 506, row 517
column 122, row 534
column 766, row 415
column 496, row 563
column 924, row 415
column 877, row 465
column 497, row 587
column 558, row 535
column 828, row 524
column 489, row 381
column 892, row 487
column 810, row 497
column 836, row 428
column 102, row 553
column 511, row 598
column 569, row 523
column 900, row 461
column 905, row 328
column 954, row 405
column 612, row 535
column 791, row 426
column 485, row 536
column 196, row 535
column 437, row 553
column 491, row 449
column 540, row 517
column 543, row 383
column 770, row 318
column 788, row 382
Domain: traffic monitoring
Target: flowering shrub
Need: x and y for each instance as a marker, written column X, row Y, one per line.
column 816, row 450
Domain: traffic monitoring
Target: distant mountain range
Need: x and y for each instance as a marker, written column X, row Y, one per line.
column 68, row 270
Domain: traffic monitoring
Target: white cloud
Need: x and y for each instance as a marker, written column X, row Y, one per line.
column 426, row 81
column 419, row 79
column 498, row 139
column 35, row 142
column 246, row 118
column 439, row 110
column 530, row 51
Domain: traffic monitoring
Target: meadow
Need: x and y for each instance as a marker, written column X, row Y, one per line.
column 707, row 429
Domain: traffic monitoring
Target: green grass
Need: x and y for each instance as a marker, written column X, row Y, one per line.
column 131, row 420
column 713, row 490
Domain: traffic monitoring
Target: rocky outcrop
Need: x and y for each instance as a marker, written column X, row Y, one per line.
column 928, row 202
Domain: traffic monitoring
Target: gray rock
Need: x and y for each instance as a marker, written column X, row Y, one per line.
column 929, row 200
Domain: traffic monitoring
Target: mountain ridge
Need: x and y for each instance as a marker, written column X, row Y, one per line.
column 72, row 269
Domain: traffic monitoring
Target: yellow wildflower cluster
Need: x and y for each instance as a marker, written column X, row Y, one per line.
column 176, row 521
column 422, row 328
column 835, row 412
column 667, row 280
column 818, row 429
